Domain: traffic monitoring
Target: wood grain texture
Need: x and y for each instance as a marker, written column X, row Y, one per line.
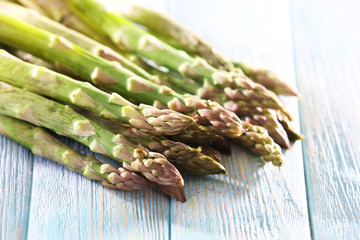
column 15, row 189
column 327, row 37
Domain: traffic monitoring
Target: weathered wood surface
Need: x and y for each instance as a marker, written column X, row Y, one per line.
column 315, row 44
column 327, row 57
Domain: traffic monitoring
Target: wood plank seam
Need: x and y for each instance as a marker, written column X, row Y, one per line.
column 31, row 186
column 306, row 161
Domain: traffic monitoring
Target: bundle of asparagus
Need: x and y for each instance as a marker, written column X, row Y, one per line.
column 153, row 96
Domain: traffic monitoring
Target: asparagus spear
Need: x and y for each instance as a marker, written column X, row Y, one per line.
column 44, row 23
column 58, row 11
column 176, row 84
column 41, row 143
column 131, row 38
column 61, row 119
column 203, row 134
column 111, row 106
column 174, row 33
column 190, row 135
column 54, row 48
column 259, row 142
column 177, row 153
column 169, row 28
column 35, row 19
column 268, row 79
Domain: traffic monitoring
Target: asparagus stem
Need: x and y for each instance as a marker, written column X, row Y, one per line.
column 175, row 82
column 169, row 28
column 131, row 38
column 35, row 19
column 194, row 135
column 41, row 143
column 204, row 134
column 61, row 119
column 59, row 12
column 54, row 48
column 112, row 106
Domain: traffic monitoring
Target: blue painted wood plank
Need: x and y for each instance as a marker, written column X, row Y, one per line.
column 15, row 189
column 253, row 201
column 326, row 39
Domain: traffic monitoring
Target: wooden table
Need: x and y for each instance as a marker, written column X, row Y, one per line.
column 313, row 44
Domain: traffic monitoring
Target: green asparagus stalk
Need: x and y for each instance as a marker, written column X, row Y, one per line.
column 259, row 142
column 46, row 24
column 179, row 154
column 169, row 28
column 176, row 84
column 193, row 135
column 61, row 119
column 131, row 38
column 203, row 134
column 54, row 48
column 174, row 33
column 41, row 143
column 35, row 19
column 59, row 12
column 29, row 58
column 111, row 106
